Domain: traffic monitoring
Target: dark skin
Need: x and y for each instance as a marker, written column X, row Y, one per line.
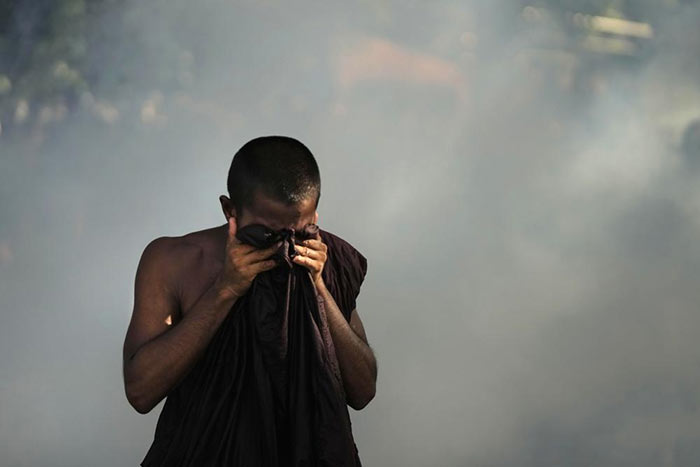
column 185, row 286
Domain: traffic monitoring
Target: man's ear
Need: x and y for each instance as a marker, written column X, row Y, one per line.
column 227, row 207
column 316, row 217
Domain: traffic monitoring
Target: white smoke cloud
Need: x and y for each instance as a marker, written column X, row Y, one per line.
column 531, row 294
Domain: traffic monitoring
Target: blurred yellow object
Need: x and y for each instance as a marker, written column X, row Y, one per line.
column 609, row 45
column 621, row 27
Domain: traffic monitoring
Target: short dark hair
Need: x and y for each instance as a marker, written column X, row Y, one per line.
column 282, row 167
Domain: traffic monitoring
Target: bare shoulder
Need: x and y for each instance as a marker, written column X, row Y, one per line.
column 189, row 246
column 201, row 250
column 171, row 253
column 170, row 258
column 160, row 287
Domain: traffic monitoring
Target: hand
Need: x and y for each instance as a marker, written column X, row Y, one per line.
column 242, row 263
column 312, row 254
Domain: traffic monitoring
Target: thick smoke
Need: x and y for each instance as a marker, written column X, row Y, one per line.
column 528, row 207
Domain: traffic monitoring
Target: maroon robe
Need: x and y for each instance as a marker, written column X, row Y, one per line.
column 268, row 390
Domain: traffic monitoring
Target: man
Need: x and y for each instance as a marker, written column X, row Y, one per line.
column 195, row 316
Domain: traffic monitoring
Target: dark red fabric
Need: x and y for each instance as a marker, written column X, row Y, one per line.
column 268, row 390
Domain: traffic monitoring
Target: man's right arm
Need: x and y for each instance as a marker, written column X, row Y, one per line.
column 157, row 352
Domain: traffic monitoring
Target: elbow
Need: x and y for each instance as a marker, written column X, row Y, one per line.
column 359, row 402
column 141, row 408
column 137, row 399
column 359, row 399
column 139, row 404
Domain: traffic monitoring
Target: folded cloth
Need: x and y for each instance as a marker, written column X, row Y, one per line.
column 268, row 390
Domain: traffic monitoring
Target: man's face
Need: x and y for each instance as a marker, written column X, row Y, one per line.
column 277, row 215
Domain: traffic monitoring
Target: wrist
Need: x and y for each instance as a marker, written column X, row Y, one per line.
column 320, row 286
column 223, row 292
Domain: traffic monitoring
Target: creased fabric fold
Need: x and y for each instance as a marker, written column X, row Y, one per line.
column 268, row 389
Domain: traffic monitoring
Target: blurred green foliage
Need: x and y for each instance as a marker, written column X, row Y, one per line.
column 56, row 55
column 43, row 56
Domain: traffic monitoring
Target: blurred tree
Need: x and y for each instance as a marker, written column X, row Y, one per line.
column 42, row 47
column 56, row 55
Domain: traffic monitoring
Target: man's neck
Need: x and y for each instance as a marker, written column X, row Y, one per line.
column 220, row 236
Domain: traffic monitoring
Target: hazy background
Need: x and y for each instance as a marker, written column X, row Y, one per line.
column 523, row 177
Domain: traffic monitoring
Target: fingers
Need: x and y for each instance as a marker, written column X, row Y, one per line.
column 233, row 243
column 312, row 254
column 305, row 261
column 261, row 266
column 314, row 249
column 232, row 225
column 232, row 229
column 315, row 244
column 258, row 262
column 313, row 259
column 309, row 253
column 259, row 254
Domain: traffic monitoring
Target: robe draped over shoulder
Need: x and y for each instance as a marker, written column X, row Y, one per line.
column 344, row 272
column 267, row 391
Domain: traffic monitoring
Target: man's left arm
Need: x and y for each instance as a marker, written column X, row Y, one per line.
column 358, row 366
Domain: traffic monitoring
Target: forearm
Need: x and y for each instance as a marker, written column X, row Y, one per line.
column 357, row 363
column 162, row 363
